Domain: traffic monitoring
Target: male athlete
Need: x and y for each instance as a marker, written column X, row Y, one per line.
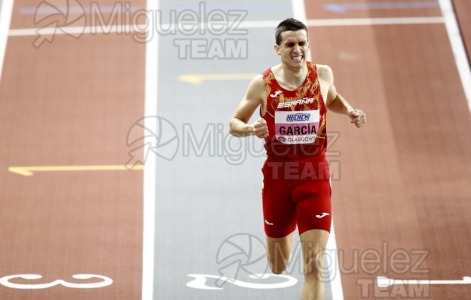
column 293, row 98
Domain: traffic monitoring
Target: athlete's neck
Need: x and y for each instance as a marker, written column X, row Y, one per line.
column 289, row 77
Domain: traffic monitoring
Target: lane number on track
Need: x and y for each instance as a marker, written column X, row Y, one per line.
column 7, row 282
column 200, row 281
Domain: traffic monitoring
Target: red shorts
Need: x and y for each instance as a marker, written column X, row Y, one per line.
column 296, row 193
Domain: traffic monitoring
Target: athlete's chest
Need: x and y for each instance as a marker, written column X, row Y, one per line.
column 308, row 96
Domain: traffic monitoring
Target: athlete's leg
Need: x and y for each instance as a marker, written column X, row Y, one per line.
column 279, row 214
column 279, row 252
column 313, row 243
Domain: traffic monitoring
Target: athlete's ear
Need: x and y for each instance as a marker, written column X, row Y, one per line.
column 277, row 49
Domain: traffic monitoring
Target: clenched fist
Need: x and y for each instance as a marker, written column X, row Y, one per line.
column 358, row 117
column 260, row 128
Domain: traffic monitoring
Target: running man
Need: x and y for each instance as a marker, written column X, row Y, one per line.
column 293, row 98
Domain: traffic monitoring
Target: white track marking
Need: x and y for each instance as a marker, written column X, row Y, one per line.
column 457, row 46
column 299, row 13
column 299, row 10
column 384, row 282
column 152, row 54
column 122, row 29
column 374, row 21
column 5, row 19
column 350, row 22
column 243, row 25
column 336, row 282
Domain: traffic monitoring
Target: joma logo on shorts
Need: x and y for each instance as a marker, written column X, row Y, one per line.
column 299, row 117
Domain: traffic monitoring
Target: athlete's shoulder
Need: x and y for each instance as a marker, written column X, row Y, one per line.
column 257, row 81
column 325, row 72
column 265, row 77
column 266, row 72
column 256, row 88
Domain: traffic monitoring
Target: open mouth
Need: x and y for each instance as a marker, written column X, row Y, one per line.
column 297, row 57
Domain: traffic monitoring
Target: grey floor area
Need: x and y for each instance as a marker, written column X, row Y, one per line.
column 208, row 214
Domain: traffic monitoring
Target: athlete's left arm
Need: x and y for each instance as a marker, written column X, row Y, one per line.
column 337, row 103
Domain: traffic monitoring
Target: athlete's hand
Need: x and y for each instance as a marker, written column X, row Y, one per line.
column 260, row 128
column 358, row 117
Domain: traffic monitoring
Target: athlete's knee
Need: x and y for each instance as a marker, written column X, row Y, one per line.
column 278, row 264
column 278, row 269
column 313, row 266
column 278, row 253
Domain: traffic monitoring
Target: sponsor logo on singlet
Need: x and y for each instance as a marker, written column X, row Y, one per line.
column 275, row 94
column 296, row 127
column 298, row 117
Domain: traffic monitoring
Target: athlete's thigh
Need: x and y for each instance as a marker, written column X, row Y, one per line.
column 313, row 205
column 279, row 251
column 279, row 211
column 313, row 243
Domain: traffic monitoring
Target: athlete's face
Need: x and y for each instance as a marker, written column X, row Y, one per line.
column 293, row 48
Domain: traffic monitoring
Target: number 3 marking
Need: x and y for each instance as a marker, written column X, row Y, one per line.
column 5, row 281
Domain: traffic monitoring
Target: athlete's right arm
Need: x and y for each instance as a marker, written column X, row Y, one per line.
column 254, row 98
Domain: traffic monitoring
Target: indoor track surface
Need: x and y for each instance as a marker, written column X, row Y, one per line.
column 119, row 179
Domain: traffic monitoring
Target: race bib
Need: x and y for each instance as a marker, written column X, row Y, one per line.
column 296, row 127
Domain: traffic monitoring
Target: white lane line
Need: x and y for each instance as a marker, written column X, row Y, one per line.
column 384, row 282
column 350, row 22
column 457, row 46
column 5, row 20
column 336, row 280
column 128, row 29
column 299, row 13
column 299, row 10
column 374, row 21
column 71, row 30
column 150, row 172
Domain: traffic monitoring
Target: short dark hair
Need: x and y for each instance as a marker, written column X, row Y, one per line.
column 289, row 24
